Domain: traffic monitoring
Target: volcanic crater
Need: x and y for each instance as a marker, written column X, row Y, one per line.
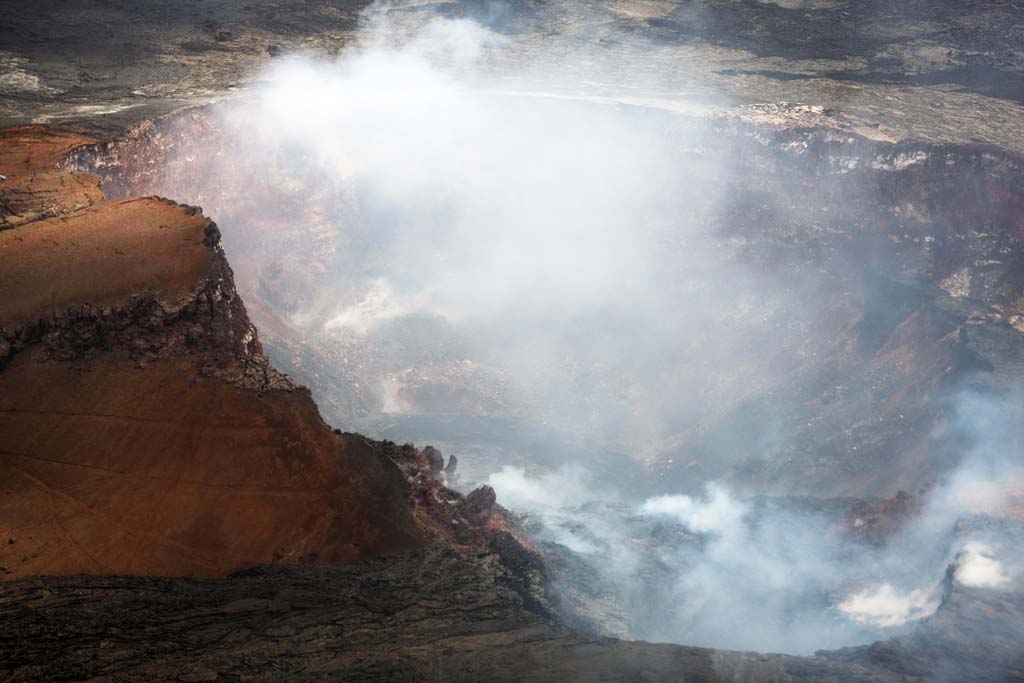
column 769, row 404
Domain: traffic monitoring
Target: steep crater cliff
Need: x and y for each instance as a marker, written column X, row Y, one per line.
column 143, row 430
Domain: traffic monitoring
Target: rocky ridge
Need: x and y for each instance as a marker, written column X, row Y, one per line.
column 143, row 430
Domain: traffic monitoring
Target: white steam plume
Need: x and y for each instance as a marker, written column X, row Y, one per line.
column 451, row 210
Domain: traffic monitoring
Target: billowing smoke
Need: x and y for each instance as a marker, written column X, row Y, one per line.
column 885, row 606
column 549, row 248
column 788, row 574
column 450, row 226
column 978, row 567
column 529, row 226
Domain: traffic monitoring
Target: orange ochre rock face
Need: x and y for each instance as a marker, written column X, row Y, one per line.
column 141, row 429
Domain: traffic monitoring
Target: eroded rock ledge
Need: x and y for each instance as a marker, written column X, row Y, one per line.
column 142, row 429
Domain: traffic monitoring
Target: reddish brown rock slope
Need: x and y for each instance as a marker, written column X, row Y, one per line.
column 141, row 429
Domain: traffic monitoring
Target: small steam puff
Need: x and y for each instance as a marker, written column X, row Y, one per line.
column 556, row 496
column 719, row 514
column 565, row 486
column 977, row 567
column 378, row 303
column 886, row 606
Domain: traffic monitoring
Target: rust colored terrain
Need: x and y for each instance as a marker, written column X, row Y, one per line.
column 142, row 430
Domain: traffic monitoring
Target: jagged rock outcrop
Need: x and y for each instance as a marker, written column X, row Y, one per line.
column 434, row 459
column 480, row 503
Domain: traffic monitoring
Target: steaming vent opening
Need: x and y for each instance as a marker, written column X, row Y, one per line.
column 700, row 354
